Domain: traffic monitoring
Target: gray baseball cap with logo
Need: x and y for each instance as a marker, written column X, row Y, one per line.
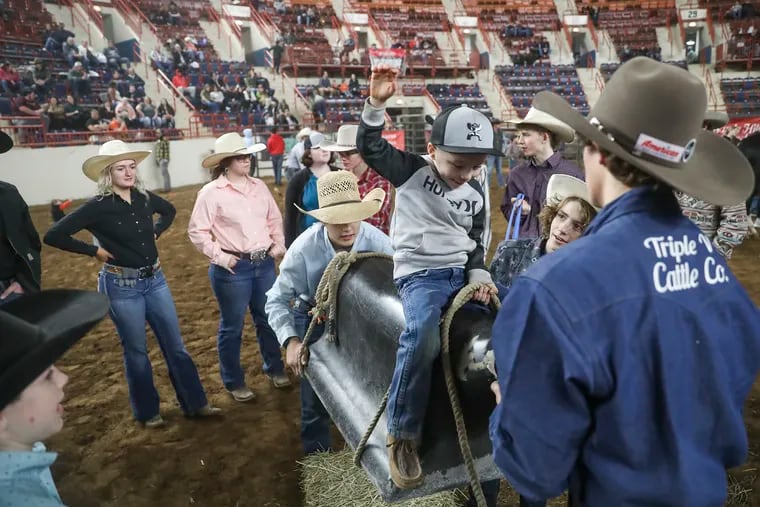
column 462, row 129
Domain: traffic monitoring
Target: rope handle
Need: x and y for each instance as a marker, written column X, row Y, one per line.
column 514, row 218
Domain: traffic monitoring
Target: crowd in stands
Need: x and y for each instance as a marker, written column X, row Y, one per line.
column 335, row 103
column 71, row 86
column 524, row 47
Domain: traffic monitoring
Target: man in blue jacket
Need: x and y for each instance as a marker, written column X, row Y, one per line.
column 624, row 359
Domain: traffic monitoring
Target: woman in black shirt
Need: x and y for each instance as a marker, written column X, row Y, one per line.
column 120, row 216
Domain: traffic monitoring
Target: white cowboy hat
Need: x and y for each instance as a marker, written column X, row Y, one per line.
column 110, row 153
column 345, row 141
column 339, row 201
column 538, row 118
column 230, row 145
column 650, row 115
column 562, row 186
column 304, row 132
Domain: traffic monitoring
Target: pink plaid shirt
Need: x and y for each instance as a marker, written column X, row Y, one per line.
column 225, row 218
column 369, row 180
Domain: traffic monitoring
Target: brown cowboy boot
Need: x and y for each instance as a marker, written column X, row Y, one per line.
column 406, row 471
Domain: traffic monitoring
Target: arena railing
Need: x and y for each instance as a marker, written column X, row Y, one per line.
column 77, row 19
column 31, row 133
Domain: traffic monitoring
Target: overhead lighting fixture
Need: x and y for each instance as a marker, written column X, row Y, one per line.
column 97, row 8
column 692, row 24
column 576, row 29
column 399, row 101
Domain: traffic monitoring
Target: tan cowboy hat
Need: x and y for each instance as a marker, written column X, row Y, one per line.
column 562, row 186
column 345, row 140
column 715, row 119
column 339, row 201
column 304, row 132
column 230, row 145
column 540, row 119
column 110, row 153
column 650, row 115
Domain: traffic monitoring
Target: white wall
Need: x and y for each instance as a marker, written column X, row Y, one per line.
column 42, row 175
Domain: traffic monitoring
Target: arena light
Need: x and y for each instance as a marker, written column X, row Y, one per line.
column 692, row 24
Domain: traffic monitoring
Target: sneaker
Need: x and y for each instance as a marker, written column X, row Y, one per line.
column 242, row 394
column 155, row 422
column 206, row 411
column 406, row 471
column 280, row 380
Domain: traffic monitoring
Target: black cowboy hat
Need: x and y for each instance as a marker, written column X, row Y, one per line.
column 6, row 143
column 36, row 330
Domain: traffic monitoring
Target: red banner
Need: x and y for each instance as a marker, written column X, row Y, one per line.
column 740, row 128
column 396, row 138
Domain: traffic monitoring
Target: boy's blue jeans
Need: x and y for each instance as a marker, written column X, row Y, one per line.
column 315, row 421
column 423, row 296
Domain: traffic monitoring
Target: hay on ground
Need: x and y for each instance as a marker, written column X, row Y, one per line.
column 332, row 480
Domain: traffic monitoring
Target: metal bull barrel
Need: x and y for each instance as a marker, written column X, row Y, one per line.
column 351, row 374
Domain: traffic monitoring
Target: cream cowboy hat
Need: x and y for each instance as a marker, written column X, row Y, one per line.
column 304, row 132
column 230, row 145
column 562, row 186
column 715, row 119
column 345, row 140
column 540, row 119
column 339, row 201
column 110, row 153
column 650, row 115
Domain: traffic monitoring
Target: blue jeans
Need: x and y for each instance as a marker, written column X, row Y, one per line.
column 315, row 421
column 245, row 289
column 133, row 301
column 277, row 168
column 423, row 297
column 494, row 163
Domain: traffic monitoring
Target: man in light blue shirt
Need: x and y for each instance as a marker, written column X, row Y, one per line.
column 341, row 213
column 31, row 387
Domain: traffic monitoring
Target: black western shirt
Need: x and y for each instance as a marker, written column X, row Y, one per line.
column 124, row 229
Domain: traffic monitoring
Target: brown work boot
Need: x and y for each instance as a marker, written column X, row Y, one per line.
column 406, row 471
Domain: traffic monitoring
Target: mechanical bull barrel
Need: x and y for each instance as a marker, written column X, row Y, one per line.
column 352, row 373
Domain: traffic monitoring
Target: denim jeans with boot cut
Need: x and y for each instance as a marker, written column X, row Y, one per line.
column 315, row 421
column 133, row 302
column 245, row 289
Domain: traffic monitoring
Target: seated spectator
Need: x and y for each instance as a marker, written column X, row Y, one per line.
column 354, row 88
column 70, row 51
column 191, row 52
column 56, row 114
column 96, row 123
column 57, row 37
column 113, row 58
column 166, row 113
column 160, row 60
column 208, row 103
column 10, row 80
column 118, row 124
column 74, row 116
column 147, row 114
column 28, row 106
column 41, row 78
column 133, row 78
column 135, row 94
column 324, row 86
column 79, row 81
column 217, row 96
column 182, row 84
column 175, row 16
column 125, row 111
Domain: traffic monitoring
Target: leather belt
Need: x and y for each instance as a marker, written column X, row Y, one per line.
column 139, row 273
column 255, row 256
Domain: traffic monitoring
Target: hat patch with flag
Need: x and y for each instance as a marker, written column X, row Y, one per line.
column 463, row 130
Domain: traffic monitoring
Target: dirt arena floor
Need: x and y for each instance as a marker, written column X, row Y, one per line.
column 246, row 459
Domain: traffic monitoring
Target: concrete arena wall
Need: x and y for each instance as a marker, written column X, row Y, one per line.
column 44, row 174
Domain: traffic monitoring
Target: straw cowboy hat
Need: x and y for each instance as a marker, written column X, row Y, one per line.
column 35, row 330
column 339, row 201
column 540, row 119
column 110, row 153
column 562, row 186
column 6, row 143
column 715, row 119
column 345, row 140
column 650, row 115
column 304, row 132
column 230, row 145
